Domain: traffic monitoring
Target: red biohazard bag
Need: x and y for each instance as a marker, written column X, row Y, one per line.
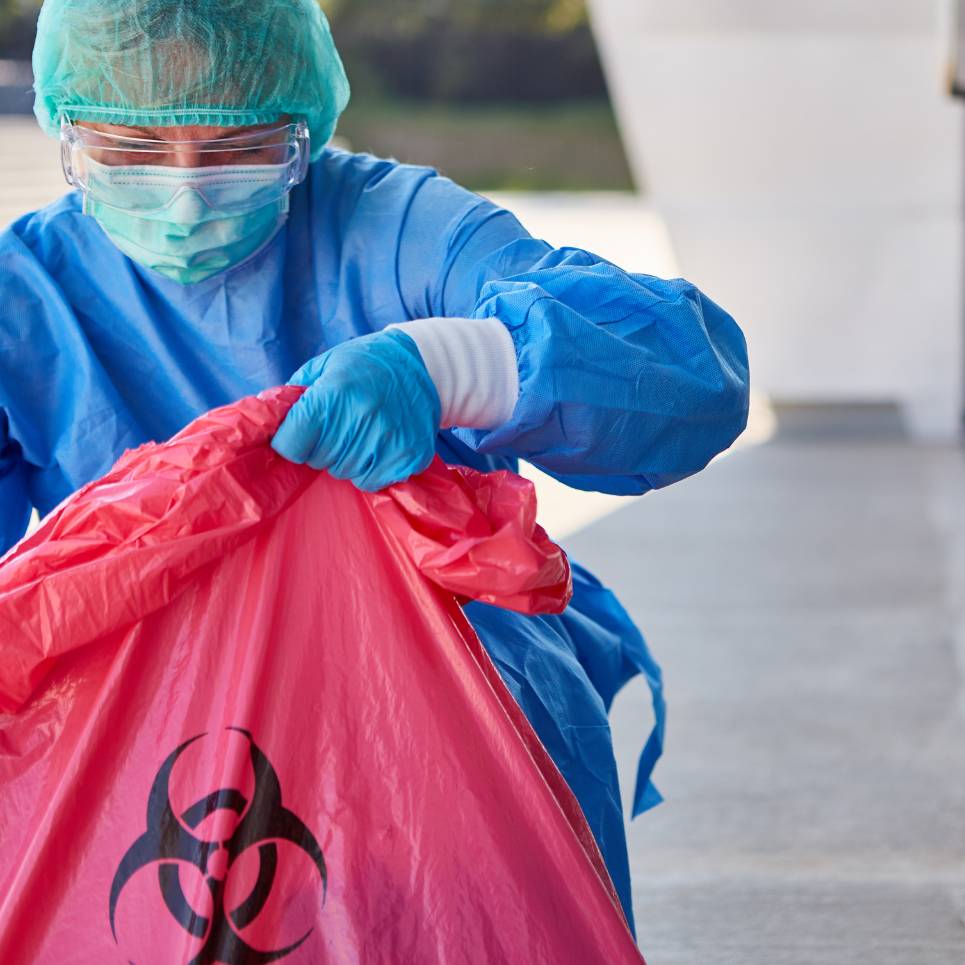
column 244, row 720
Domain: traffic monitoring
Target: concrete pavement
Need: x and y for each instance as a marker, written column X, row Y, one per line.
column 805, row 598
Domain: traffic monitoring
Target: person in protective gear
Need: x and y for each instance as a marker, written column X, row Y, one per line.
column 216, row 244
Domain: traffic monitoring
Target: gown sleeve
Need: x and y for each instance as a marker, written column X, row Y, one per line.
column 14, row 502
column 627, row 382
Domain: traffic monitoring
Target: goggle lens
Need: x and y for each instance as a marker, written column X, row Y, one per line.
column 272, row 161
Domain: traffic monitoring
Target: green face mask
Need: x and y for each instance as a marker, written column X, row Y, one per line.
column 204, row 221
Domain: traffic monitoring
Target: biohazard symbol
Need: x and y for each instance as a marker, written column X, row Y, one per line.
column 168, row 842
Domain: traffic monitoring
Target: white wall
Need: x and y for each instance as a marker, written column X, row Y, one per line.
column 810, row 168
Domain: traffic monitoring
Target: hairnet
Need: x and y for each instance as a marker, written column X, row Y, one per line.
column 155, row 63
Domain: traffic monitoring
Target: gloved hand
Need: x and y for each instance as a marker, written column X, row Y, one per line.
column 370, row 412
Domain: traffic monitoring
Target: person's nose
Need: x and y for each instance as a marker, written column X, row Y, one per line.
column 187, row 156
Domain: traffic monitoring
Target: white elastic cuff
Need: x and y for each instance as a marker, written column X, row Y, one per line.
column 472, row 362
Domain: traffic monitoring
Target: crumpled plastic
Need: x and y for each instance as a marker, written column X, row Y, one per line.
column 243, row 719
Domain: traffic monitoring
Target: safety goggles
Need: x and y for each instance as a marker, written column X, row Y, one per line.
column 230, row 174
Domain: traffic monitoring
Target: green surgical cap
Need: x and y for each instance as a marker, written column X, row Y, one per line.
column 154, row 63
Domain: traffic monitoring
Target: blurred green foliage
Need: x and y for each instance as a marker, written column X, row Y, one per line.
column 468, row 50
column 498, row 94
column 411, row 16
column 497, row 147
column 8, row 9
column 11, row 10
column 17, row 20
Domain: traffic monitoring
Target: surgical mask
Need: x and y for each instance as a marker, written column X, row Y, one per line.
column 188, row 224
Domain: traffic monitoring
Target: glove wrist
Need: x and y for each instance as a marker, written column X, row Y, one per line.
column 472, row 363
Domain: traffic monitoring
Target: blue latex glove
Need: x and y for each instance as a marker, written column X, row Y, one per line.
column 370, row 413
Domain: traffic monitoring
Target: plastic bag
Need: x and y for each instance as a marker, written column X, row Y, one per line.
column 243, row 719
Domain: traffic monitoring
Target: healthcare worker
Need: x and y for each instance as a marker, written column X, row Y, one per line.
column 214, row 245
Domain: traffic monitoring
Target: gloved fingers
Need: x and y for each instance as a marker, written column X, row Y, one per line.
column 338, row 429
column 374, row 456
column 365, row 446
column 353, row 469
column 321, row 456
column 338, row 465
column 383, row 473
column 374, row 482
column 298, row 438
column 422, row 464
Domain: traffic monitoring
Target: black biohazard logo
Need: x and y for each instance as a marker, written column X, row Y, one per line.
column 169, row 842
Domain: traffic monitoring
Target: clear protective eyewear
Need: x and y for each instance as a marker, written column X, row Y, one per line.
column 142, row 175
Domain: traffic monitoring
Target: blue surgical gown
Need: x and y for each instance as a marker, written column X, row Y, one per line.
column 627, row 383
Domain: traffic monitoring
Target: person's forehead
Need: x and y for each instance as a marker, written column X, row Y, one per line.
column 186, row 132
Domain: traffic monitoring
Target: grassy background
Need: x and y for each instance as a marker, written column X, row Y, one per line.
column 552, row 147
